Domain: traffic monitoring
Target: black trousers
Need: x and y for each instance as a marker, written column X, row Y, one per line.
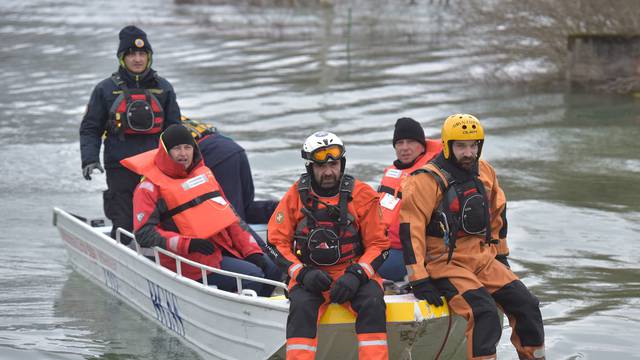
column 118, row 199
column 304, row 309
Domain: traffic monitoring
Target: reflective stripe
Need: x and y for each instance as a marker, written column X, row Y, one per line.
column 173, row 243
column 147, row 185
column 301, row 347
column 372, row 343
column 293, row 269
column 539, row 353
column 368, row 268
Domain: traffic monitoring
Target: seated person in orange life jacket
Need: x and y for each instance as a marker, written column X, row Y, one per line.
column 413, row 152
column 228, row 161
column 179, row 206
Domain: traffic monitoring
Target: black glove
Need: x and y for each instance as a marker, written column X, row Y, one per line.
column 202, row 246
column 314, row 280
column 425, row 290
column 258, row 260
column 347, row 285
column 503, row 259
column 88, row 169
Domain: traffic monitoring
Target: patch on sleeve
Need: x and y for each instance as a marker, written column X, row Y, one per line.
column 140, row 216
column 279, row 217
column 147, row 185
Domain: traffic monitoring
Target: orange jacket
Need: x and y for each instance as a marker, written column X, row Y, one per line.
column 176, row 191
column 168, row 184
column 390, row 190
column 421, row 196
column 364, row 206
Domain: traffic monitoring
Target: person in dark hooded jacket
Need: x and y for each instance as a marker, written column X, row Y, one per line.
column 229, row 162
column 130, row 109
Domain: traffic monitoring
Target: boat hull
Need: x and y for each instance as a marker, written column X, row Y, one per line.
column 224, row 325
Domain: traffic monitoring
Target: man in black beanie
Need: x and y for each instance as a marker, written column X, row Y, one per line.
column 131, row 107
column 412, row 151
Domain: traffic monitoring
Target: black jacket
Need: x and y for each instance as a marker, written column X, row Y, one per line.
column 229, row 164
column 95, row 120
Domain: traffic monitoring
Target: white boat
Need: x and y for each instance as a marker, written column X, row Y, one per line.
column 224, row 325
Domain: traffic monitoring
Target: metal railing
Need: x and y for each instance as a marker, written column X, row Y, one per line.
column 203, row 268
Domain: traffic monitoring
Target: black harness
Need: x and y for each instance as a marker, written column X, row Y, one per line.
column 329, row 235
column 139, row 115
column 464, row 208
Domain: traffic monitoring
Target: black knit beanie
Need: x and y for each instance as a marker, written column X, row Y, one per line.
column 132, row 37
column 177, row 135
column 407, row 128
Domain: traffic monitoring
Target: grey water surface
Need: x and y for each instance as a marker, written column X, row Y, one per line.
column 269, row 76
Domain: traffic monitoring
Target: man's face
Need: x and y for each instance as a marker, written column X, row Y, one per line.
column 182, row 154
column 136, row 61
column 407, row 150
column 466, row 152
column 327, row 175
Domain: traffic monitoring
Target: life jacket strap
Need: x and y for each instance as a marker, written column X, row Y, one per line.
column 346, row 188
column 440, row 225
column 189, row 204
column 389, row 190
column 115, row 77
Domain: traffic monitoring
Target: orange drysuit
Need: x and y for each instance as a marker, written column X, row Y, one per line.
column 306, row 307
column 473, row 281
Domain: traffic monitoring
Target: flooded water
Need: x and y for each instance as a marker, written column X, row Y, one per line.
column 270, row 76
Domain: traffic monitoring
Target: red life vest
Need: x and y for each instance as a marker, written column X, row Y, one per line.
column 195, row 204
column 391, row 192
column 135, row 111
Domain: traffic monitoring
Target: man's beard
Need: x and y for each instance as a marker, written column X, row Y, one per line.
column 467, row 162
column 328, row 181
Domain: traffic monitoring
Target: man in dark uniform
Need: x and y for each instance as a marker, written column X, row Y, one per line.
column 228, row 161
column 131, row 108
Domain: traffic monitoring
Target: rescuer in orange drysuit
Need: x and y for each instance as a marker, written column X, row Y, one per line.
column 454, row 216
column 327, row 235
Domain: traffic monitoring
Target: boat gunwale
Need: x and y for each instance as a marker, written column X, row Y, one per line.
column 200, row 287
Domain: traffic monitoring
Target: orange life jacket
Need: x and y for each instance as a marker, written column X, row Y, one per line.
column 135, row 111
column 195, row 204
column 390, row 185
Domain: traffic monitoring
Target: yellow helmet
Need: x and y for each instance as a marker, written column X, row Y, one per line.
column 461, row 127
column 198, row 129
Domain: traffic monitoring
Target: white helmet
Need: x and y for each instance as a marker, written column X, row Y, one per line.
column 322, row 146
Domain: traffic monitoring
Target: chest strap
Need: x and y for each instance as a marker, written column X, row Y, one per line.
column 189, row 204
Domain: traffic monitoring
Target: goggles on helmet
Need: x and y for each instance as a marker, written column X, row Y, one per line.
column 324, row 154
